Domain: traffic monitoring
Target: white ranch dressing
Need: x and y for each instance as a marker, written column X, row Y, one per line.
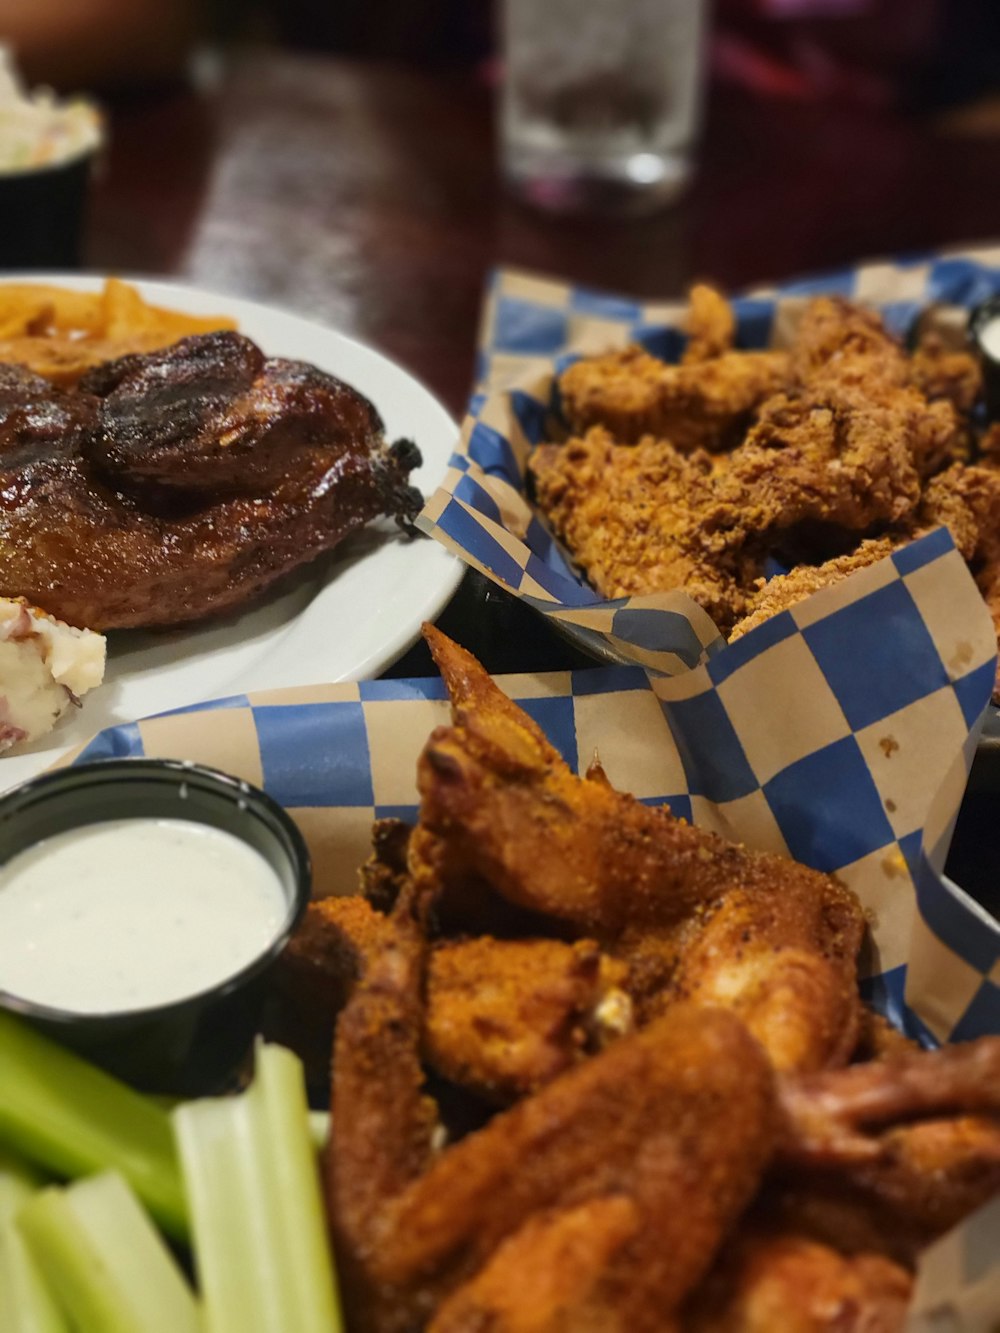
column 989, row 338
column 132, row 913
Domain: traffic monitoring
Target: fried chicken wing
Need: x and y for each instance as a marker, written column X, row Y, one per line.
column 767, row 1282
column 499, row 804
column 505, row 1016
column 627, row 1173
column 917, row 1135
column 502, row 1017
column 700, row 405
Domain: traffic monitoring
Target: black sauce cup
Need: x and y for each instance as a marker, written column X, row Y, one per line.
column 196, row 1044
column 982, row 315
column 43, row 212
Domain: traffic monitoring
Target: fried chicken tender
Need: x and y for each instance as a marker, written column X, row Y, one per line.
column 697, row 405
column 837, row 448
column 629, row 515
column 787, row 590
column 939, row 371
column 967, row 501
column 767, row 1282
column 768, row 938
column 711, row 326
column 628, row 1170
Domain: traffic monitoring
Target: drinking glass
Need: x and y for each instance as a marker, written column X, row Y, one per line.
column 601, row 100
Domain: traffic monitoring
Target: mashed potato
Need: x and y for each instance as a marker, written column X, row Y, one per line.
column 45, row 668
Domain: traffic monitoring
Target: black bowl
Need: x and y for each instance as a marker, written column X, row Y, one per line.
column 196, row 1044
column 979, row 317
column 972, row 860
column 43, row 211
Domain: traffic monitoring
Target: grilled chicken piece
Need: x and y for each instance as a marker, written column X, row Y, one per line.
column 181, row 484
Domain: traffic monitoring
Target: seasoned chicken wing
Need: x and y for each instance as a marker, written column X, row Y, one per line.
column 917, row 1136
column 502, row 1017
column 597, row 1203
column 774, row 1282
column 762, row 935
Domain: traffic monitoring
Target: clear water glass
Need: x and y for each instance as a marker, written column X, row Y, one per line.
column 601, row 100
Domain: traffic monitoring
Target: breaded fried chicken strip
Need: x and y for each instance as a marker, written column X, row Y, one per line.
column 597, row 1203
column 940, row 371
column 787, row 590
column 775, row 1282
column 770, row 939
column 711, row 326
column 629, row 516
column 845, row 451
column 699, row 405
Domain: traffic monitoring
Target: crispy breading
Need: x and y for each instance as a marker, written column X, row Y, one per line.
column 786, row 590
column 505, row 1016
column 704, row 405
column 711, row 326
column 415, row 1232
column 628, row 514
column 844, row 445
column 940, row 371
column 779, row 1282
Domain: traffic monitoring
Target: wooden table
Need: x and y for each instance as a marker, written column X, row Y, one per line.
column 368, row 197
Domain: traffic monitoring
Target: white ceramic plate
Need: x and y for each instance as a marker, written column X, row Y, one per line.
column 344, row 618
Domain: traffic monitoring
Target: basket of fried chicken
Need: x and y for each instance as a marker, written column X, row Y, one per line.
column 721, row 459
column 597, row 1068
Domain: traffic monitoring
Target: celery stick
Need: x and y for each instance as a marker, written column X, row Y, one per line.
column 108, row 1267
column 260, row 1238
column 68, row 1116
column 26, row 1305
column 18, row 1182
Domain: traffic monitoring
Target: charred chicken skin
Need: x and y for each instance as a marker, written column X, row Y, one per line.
column 181, row 484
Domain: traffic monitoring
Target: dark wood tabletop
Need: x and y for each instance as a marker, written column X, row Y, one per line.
column 367, row 196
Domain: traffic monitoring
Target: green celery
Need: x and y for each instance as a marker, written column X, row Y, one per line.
column 260, row 1236
column 26, row 1305
column 107, row 1265
column 66, row 1115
